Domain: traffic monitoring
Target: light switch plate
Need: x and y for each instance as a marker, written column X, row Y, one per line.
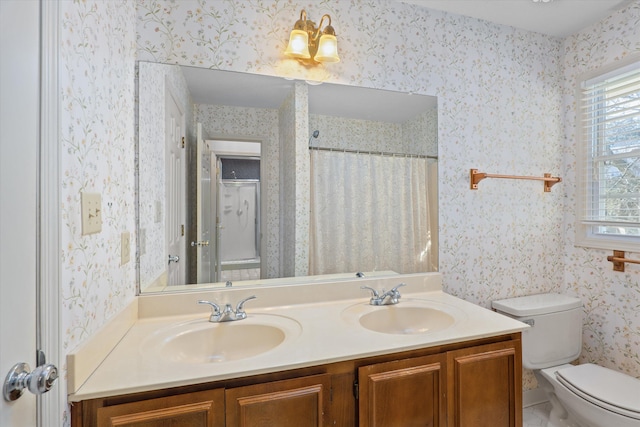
column 91, row 213
column 125, row 248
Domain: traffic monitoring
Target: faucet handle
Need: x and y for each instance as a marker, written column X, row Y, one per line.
column 395, row 289
column 240, row 313
column 394, row 294
column 215, row 309
column 374, row 293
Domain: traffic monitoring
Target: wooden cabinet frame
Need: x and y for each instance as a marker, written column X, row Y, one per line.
column 475, row 383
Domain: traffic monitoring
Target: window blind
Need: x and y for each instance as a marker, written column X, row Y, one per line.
column 610, row 120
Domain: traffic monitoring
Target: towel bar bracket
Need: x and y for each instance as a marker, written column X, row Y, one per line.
column 619, row 261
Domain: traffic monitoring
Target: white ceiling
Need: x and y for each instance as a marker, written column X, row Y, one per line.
column 558, row 18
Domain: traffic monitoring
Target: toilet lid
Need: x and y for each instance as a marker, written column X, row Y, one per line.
column 607, row 388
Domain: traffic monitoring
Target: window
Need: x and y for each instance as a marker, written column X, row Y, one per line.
column 609, row 194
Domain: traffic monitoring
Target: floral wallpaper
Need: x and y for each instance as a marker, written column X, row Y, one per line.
column 505, row 105
column 294, row 182
column 418, row 136
column 97, row 138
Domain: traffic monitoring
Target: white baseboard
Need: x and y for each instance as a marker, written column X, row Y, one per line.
column 533, row 397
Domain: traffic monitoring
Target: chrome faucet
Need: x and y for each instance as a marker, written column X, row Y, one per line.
column 227, row 314
column 389, row 297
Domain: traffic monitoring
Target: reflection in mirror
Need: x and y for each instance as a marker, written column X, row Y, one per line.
column 252, row 179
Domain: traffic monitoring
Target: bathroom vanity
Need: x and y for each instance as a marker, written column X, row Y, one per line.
column 432, row 359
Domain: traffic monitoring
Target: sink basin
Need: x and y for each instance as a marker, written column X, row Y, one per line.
column 404, row 318
column 201, row 341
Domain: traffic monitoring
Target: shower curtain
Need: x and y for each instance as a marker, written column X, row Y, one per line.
column 371, row 212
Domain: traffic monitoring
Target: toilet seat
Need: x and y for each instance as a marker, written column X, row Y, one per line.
column 611, row 390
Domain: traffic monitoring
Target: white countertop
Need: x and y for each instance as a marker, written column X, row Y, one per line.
column 322, row 332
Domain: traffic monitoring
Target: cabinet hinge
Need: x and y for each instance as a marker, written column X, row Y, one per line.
column 182, row 142
column 182, row 229
column 356, row 390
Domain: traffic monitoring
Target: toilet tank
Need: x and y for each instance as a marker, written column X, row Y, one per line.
column 555, row 335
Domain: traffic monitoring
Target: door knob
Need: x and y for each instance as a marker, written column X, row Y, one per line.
column 173, row 258
column 37, row 382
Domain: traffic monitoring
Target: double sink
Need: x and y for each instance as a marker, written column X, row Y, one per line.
column 201, row 341
column 166, row 341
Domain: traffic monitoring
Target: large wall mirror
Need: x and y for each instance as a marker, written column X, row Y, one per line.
column 246, row 179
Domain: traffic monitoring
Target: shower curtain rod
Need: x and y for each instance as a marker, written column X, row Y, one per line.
column 379, row 153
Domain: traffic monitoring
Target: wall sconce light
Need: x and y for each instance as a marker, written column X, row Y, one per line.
column 310, row 44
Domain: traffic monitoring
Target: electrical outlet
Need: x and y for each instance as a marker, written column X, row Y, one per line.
column 125, row 247
column 91, row 213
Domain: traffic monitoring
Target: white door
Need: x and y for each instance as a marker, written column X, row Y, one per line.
column 204, row 242
column 212, row 220
column 176, row 191
column 218, row 224
column 19, row 128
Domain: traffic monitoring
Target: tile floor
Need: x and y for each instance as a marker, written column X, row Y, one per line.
column 536, row 416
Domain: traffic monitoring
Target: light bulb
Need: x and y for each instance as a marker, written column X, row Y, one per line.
column 327, row 49
column 298, row 45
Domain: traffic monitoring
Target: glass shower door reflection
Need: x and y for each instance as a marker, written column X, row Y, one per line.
column 239, row 229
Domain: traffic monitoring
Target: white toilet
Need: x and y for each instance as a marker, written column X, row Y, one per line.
column 581, row 396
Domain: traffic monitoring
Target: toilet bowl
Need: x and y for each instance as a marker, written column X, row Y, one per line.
column 592, row 396
column 585, row 395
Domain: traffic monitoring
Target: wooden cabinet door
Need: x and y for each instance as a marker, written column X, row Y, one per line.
column 201, row 409
column 409, row 392
column 485, row 386
column 299, row 402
